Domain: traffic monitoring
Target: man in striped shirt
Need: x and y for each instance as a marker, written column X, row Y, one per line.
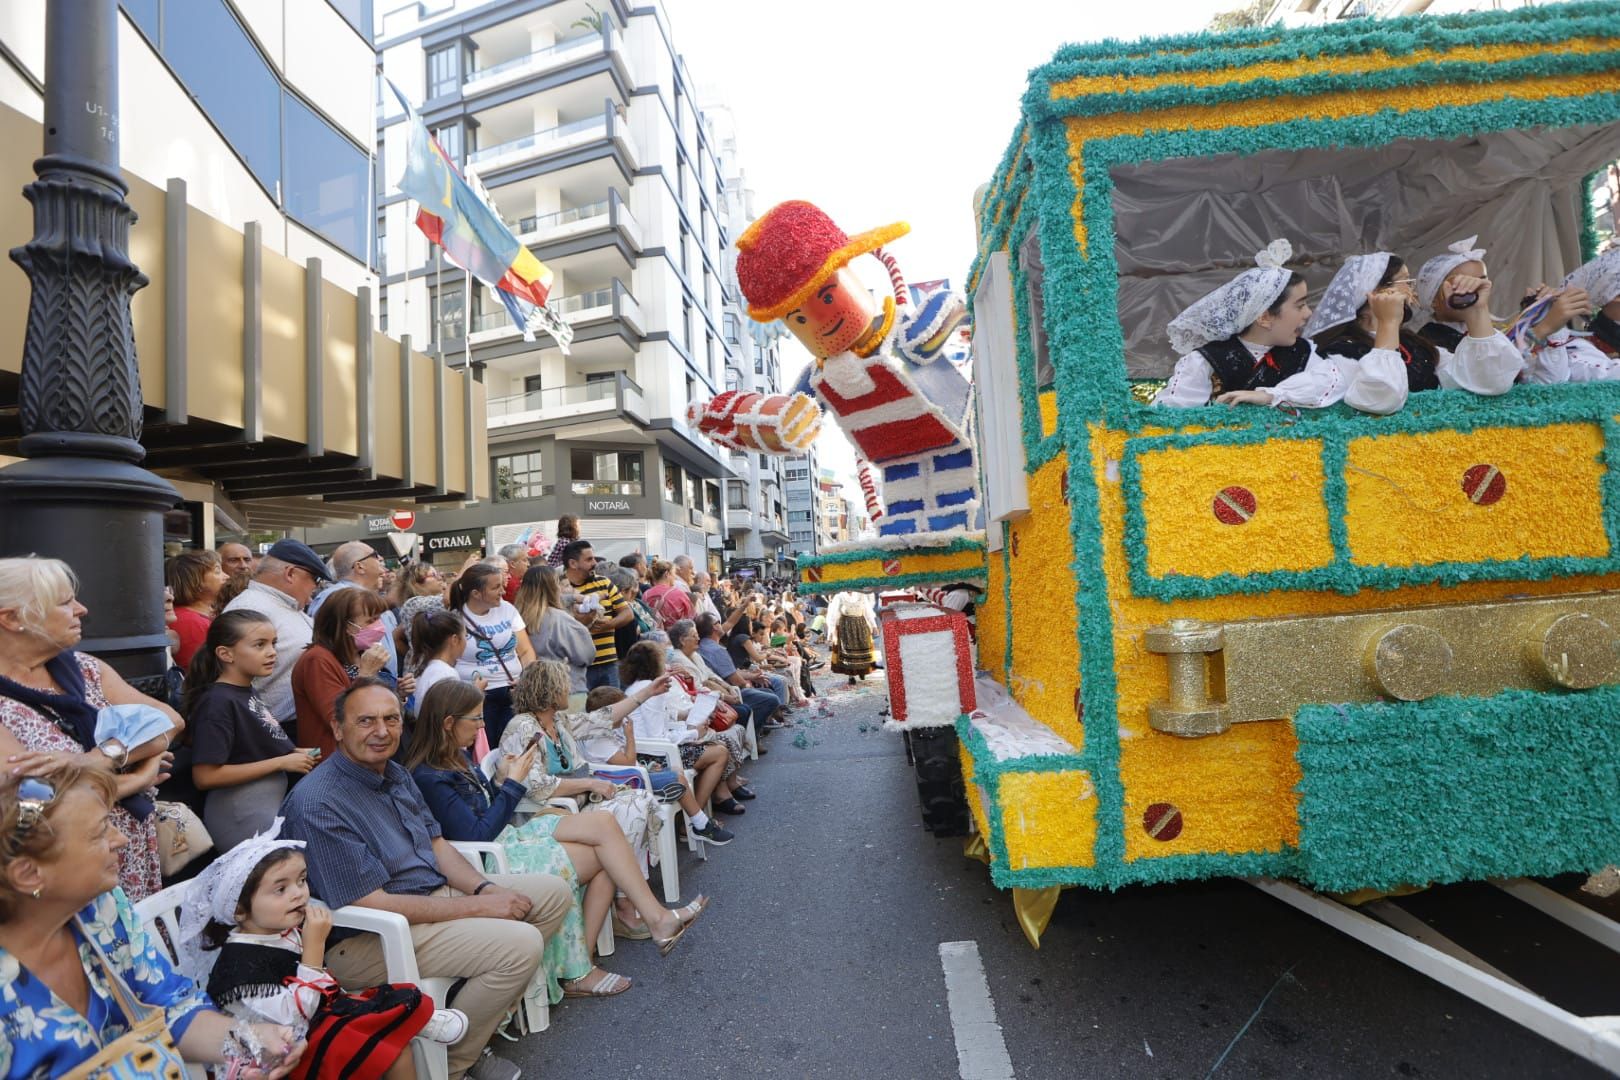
column 579, row 564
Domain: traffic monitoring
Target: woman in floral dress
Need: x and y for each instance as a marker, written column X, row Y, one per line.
column 49, row 697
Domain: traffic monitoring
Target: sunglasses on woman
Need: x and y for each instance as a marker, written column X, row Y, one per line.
column 34, row 797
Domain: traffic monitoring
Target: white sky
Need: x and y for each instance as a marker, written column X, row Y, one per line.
column 881, row 111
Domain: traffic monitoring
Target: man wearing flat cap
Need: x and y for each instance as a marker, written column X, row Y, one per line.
column 288, row 577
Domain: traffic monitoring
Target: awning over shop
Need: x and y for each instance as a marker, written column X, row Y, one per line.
column 258, row 375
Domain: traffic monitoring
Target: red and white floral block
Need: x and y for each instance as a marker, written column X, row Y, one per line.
column 928, row 655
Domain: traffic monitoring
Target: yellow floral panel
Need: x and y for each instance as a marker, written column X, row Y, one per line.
column 970, row 563
column 1049, row 413
column 1220, row 509
column 991, row 623
column 1045, row 671
column 1048, row 819
column 1491, row 495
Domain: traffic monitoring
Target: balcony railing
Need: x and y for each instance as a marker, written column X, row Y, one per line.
column 538, row 141
column 618, row 395
column 540, row 58
column 546, row 222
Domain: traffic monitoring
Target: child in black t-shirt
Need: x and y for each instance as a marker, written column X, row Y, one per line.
column 240, row 754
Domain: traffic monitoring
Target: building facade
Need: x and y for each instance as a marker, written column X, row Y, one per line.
column 803, row 503
column 246, row 133
column 581, row 124
column 836, row 522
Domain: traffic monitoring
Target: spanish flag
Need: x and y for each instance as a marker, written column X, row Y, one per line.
column 467, row 228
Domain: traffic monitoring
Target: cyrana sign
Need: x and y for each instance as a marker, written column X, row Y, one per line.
column 452, row 541
column 608, row 505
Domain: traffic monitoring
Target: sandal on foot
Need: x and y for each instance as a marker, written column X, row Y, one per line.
column 608, row 985
column 623, row 930
column 729, row 806
column 667, row 945
column 743, row 792
column 693, row 910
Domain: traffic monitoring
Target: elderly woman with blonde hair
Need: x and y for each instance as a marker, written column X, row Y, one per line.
column 50, row 696
column 71, row 944
column 560, row 769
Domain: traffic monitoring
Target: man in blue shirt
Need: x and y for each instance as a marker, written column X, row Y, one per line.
column 759, row 690
column 372, row 842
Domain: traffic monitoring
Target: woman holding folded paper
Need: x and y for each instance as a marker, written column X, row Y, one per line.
column 53, row 709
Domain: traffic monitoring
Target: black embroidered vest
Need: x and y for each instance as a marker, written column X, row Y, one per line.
column 1441, row 336
column 1605, row 330
column 1236, row 368
column 1420, row 373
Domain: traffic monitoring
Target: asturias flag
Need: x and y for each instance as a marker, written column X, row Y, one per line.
column 470, row 231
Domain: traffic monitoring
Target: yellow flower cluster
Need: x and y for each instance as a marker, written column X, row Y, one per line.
column 1048, row 819
column 990, row 623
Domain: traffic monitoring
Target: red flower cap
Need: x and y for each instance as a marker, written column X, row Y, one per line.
column 789, row 253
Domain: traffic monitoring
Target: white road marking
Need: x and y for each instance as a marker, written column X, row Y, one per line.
column 981, row 1052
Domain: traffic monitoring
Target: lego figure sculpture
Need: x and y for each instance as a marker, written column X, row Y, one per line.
column 909, row 418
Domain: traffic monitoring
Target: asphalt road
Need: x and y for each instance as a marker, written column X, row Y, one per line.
column 819, row 957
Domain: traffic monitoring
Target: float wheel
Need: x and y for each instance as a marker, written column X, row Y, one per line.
column 939, row 781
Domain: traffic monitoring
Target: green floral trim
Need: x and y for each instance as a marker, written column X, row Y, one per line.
column 1590, row 240
column 1451, row 73
column 1527, row 788
column 968, row 575
column 1006, row 598
column 1343, row 575
column 951, row 547
column 1210, row 50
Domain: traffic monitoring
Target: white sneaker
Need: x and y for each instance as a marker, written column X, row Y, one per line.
column 445, row 1026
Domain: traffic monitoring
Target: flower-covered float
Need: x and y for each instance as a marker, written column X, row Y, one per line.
column 1358, row 652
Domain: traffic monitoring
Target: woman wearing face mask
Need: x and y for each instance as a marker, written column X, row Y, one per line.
column 1361, row 323
column 1243, row 346
column 347, row 645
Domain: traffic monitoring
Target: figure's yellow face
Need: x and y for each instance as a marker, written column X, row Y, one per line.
column 835, row 316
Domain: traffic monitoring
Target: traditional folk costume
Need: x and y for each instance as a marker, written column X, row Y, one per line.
column 1378, row 381
column 1218, row 360
column 261, row 978
column 852, row 650
column 1568, row 355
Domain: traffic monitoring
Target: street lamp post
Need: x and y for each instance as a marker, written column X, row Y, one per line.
column 81, row 495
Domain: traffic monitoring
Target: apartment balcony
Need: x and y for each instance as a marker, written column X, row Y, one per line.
column 541, row 61
column 540, row 230
column 609, row 302
column 619, row 397
column 739, row 520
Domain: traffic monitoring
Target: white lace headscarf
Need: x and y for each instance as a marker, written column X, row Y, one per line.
column 1434, row 272
column 1348, row 291
column 1236, row 305
column 215, row 894
column 1600, row 278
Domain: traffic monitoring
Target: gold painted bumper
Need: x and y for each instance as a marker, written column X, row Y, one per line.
column 1266, row 669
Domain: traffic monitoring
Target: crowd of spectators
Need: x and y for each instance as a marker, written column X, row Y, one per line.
column 371, row 717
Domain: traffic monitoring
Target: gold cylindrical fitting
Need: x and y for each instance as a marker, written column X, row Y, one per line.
column 1575, row 650
column 1410, row 662
column 1188, row 710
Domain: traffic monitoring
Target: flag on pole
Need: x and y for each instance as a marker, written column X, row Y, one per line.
column 528, row 318
column 465, row 226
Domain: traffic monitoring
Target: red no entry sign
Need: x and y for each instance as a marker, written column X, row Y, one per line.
column 403, row 519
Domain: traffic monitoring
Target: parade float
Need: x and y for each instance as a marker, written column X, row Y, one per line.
column 1327, row 652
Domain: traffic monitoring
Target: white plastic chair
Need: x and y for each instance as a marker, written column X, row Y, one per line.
column 668, row 843
column 671, row 753
column 162, row 909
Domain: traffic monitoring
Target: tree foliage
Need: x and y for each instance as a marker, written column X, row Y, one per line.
column 1251, row 14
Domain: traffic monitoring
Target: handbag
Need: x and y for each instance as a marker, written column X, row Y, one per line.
column 182, row 837
column 146, row 1051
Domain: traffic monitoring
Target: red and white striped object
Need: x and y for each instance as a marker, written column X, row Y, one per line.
column 897, row 280
column 747, row 420
column 874, row 505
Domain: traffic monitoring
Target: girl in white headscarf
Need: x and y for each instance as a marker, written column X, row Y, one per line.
column 1447, row 286
column 1554, row 353
column 1360, row 324
column 249, row 933
column 1243, row 345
